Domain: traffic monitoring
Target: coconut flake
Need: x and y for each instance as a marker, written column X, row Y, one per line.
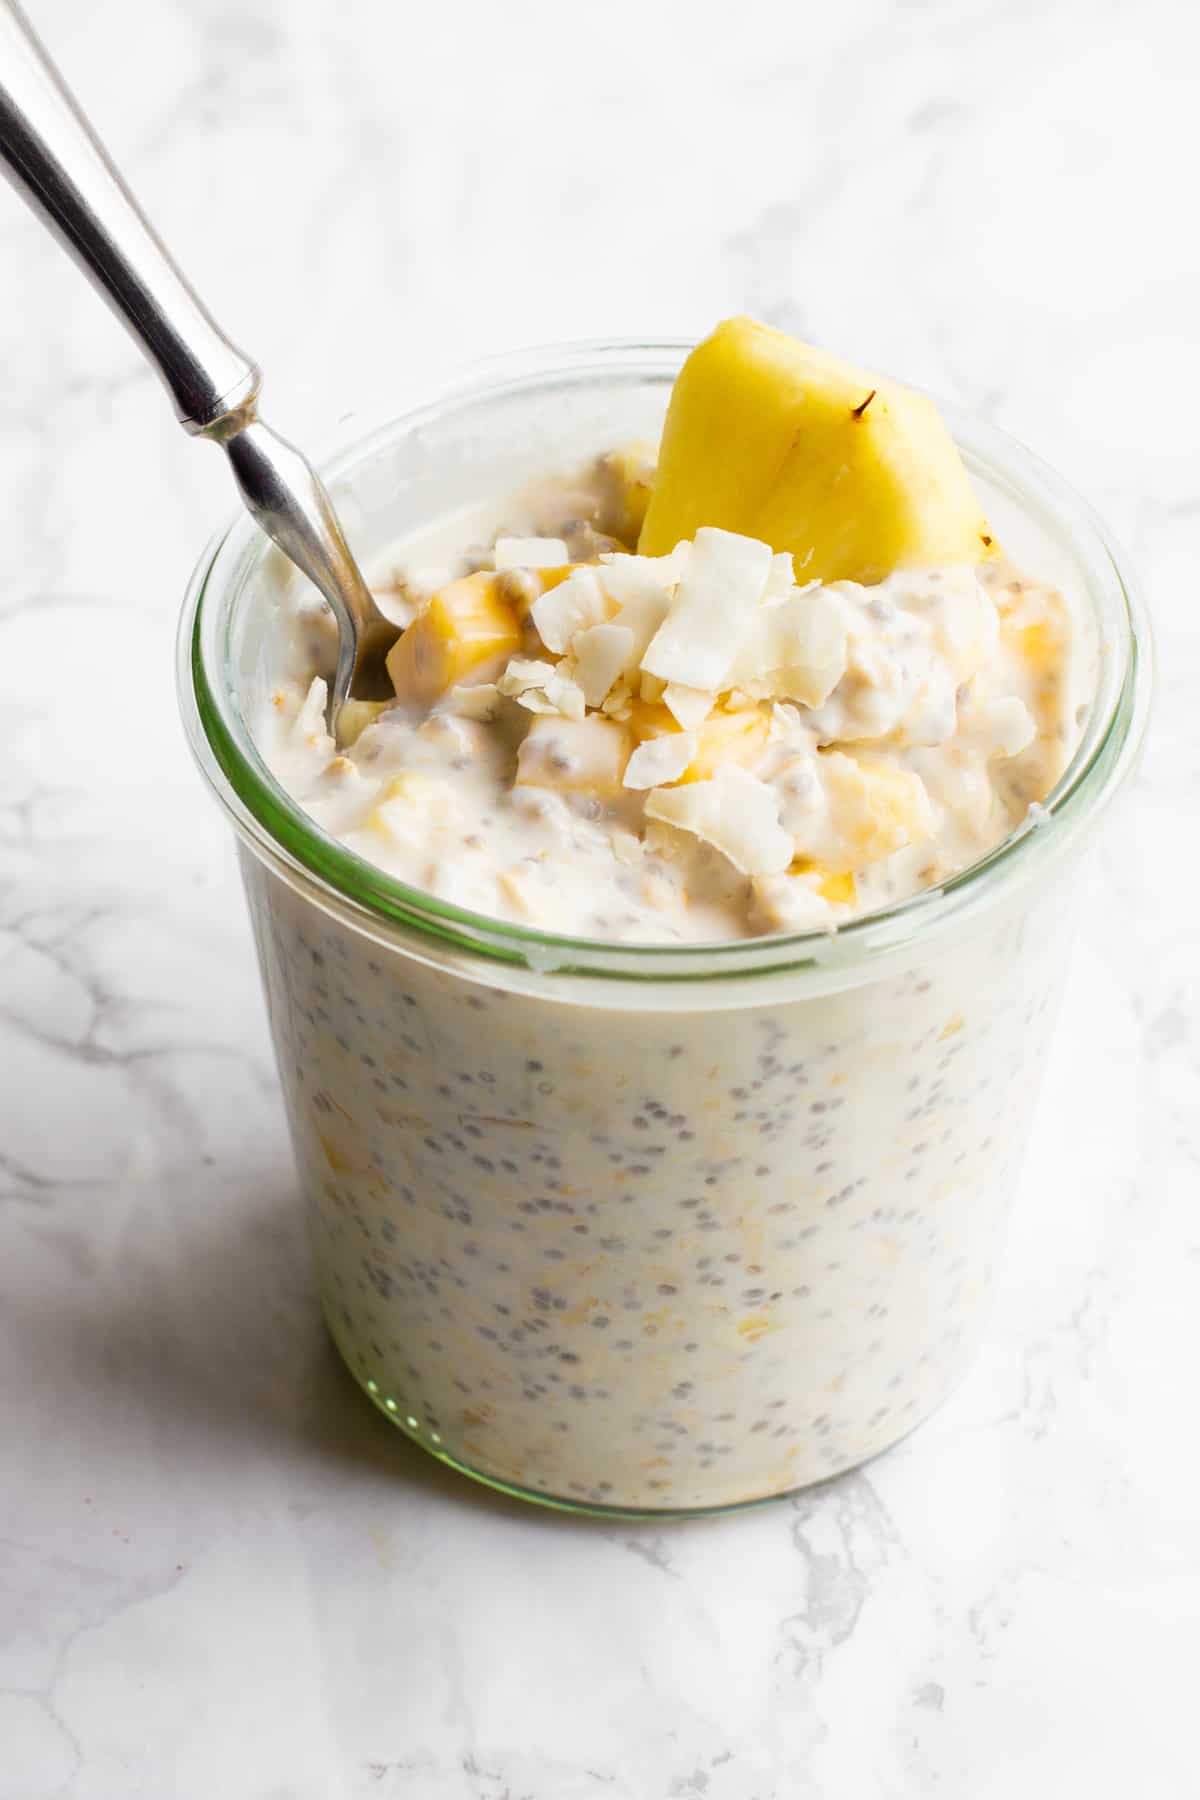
column 660, row 760
column 481, row 701
column 787, row 722
column 530, row 553
column 734, row 812
column 540, row 688
column 627, row 577
column 701, row 635
column 522, row 674
column 619, row 704
column 558, row 696
column 602, row 653
column 574, row 605
column 795, row 648
column 690, row 706
column 566, row 697
column 640, row 589
column 781, row 577
column 309, row 724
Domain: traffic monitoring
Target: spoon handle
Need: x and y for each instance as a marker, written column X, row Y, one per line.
column 55, row 160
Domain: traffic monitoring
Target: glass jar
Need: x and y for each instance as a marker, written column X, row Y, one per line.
column 649, row 1228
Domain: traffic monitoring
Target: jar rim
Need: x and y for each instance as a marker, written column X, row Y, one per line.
column 280, row 832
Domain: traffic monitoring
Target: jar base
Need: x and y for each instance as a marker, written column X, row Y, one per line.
column 429, row 1442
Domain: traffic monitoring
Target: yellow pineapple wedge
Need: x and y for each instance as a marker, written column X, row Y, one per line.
column 853, row 474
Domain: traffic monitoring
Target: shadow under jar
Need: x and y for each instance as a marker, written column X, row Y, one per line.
column 649, row 1228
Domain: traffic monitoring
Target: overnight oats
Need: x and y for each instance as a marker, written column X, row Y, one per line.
column 660, row 974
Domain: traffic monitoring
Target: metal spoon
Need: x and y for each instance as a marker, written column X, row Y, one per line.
column 55, row 160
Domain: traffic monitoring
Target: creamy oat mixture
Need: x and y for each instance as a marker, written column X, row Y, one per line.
column 646, row 1257
column 685, row 747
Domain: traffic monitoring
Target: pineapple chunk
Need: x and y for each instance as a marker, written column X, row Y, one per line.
column 724, row 737
column 837, row 886
column 1038, row 644
column 627, row 478
column 1038, row 631
column 875, row 808
column 853, row 474
column 651, row 719
column 464, row 626
column 353, row 719
column 728, row 738
column 414, row 805
column 574, row 755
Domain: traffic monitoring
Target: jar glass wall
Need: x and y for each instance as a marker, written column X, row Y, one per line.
column 651, row 1228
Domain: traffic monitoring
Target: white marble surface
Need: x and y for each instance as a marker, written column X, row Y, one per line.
column 219, row 1574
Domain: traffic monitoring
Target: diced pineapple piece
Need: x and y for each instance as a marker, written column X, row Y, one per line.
column 574, row 755
column 353, row 719
column 723, row 737
column 413, row 805
column 1037, row 643
column 550, row 578
column 627, row 478
column 853, row 474
column 465, row 625
column 837, row 886
column 728, row 738
column 875, row 808
column 650, row 719
column 1039, row 632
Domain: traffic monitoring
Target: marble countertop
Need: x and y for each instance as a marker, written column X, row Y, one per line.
column 219, row 1574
